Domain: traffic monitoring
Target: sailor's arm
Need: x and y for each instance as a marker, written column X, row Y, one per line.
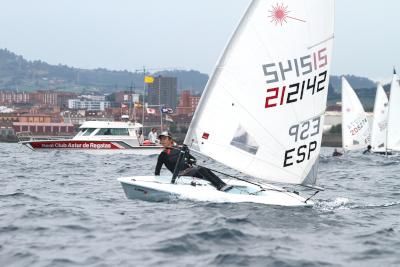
column 159, row 165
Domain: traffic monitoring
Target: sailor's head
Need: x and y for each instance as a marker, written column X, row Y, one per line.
column 154, row 130
column 166, row 139
column 369, row 147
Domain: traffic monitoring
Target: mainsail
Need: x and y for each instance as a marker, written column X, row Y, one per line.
column 379, row 124
column 393, row 132
column 355, row 126
column 262, row 110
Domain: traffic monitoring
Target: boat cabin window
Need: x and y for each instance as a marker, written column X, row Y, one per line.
column 81, row 131
column 113, row 131
column 87, row 132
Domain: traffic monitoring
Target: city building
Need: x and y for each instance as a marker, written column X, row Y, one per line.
column 35, row 118
column 76, row 117
column 45, row 98
column 168, row 87
column 187, row 103
column 9, row 117
column 93, row 97
column 88, row 104
column 12, row 97
column 63, row 98
column 42, row 98
column 44, row 128
column 126, row 97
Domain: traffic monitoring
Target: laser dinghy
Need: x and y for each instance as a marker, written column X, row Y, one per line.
column 262, row 112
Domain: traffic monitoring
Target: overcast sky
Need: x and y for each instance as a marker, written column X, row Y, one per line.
column 188, row 34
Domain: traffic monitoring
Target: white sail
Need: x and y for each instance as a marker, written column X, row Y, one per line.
column 262, row 110
column 356, row 133
column 379, row 124
column 393, row 134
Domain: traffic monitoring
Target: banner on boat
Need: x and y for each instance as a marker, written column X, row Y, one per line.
column 75, row 145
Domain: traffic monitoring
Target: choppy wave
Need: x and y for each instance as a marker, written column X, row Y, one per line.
column 329, row 205
column 67, row 209
column 19, row 196
column 344, row 204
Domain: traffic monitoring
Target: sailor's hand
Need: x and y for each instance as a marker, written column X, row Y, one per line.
column 190, row 161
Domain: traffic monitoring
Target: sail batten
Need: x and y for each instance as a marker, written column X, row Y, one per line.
column 262, row 110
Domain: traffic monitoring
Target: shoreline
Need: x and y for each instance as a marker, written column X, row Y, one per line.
column 328, row 140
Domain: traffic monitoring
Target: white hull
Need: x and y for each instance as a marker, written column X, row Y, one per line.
column 159, row 188
column 132, row 151
column 96, row 137
column 94, row 147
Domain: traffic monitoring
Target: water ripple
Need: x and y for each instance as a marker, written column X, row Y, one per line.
column 67, row 209
column 19, row 196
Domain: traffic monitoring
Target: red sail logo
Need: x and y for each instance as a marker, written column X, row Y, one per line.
column 279, row 14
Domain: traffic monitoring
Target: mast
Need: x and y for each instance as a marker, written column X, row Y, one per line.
column 390, row 100
column 134, row 106
column 143, row 97
column 344, row 150
column 387, row 123
column 130, row 113
column 159, row 103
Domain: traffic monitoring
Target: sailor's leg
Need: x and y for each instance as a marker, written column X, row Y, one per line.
column 208, row 175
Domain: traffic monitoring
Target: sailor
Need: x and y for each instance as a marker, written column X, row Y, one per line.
column 368, row 151
column 169, row 157
column 153, row 136
column 140, row 137
column 336, row 153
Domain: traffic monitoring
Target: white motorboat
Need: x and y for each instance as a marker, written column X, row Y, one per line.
column 105, row 136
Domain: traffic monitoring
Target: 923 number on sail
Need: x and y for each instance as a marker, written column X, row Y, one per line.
column 303, row 132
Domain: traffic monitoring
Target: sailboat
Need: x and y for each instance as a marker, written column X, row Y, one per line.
column 393, row 128
column 379, row 124
column 356, row 133
column 262, row 111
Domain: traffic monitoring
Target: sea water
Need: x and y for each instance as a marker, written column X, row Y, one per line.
column 67, row 209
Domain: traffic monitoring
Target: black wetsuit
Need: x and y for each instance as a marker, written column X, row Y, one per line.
column 169, row 158
column 337, row 154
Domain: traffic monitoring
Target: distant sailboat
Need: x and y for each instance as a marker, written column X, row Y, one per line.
column 262, row 111
column 393, row 130
column 355, row 126
column 379, row 124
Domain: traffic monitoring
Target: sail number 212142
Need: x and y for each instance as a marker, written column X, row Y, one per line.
column 312, row 71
